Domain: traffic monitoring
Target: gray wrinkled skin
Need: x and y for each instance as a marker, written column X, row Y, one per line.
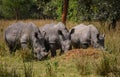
column 25, row 35
column 57, row 37
column 83, row 36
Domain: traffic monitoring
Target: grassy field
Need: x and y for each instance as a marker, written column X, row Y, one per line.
column 75, row 63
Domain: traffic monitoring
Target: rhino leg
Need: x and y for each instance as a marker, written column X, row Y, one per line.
column 76, row 45
column 12, row 48
column 53, row 50
column 61, row 52
column 23, row 41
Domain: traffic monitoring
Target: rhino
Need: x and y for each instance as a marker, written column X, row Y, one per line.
column 83, row 36
column 57, row 37
column 25, row 35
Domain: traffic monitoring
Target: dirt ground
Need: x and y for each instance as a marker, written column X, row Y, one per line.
column 90, row 52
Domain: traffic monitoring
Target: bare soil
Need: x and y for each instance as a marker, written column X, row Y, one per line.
column 90, row 52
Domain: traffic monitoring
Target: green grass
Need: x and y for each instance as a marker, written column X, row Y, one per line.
column 22, row 63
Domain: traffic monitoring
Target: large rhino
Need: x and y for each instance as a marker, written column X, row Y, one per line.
column 24, row 35
column 84, row 36
column 57, row 37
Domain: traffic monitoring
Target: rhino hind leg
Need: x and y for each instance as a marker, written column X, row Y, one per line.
column 76, row 45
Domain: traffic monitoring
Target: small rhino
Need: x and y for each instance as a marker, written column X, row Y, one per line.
column 24, row 35
column 57, row 37
column 82, row 36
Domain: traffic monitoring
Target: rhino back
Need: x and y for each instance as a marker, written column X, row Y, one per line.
column 17, row 30
column 52, row 34
column 94, row 32
column 81, row 33
column 13, row 31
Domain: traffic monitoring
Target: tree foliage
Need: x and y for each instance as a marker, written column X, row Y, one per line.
column 102, row 10
column 16, row 9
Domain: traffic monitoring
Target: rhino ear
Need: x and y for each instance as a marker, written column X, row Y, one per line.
column 98, row 36
column 103, row 35
column 72, row 31
column 60, row 32
column 44, row 33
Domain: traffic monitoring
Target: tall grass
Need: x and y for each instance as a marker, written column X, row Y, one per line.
column 26, row 55
column 13, row 70
column 6, row 71
column 83, row 66
column 108, row 66
column 28, row 70
column 51, row 69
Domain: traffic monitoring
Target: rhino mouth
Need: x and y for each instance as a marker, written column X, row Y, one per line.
column 40, row 58
column 43, row 58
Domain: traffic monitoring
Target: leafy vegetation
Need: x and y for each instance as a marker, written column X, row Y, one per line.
column 79, row 10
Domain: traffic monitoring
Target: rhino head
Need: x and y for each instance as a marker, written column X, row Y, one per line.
column 39, row 49
column 65, row 40
column 100, row 41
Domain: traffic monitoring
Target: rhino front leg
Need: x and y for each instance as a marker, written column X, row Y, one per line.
column 53, row 50
column 61, row 52
column 12, row 49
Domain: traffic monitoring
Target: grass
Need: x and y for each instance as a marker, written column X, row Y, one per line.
column 28, row 70
column 108, row 66
column 76, row 63
column 5, row 71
